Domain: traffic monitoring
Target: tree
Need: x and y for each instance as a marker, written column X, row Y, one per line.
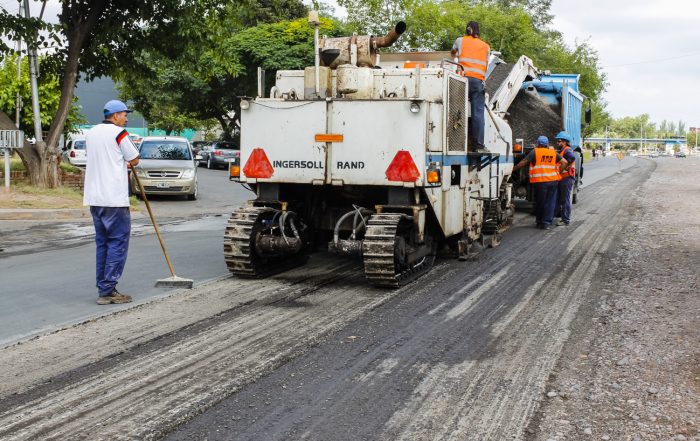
column 94, row 38
column 681, row 128
column 208, row 83
column 49, row 91
column 511, row 27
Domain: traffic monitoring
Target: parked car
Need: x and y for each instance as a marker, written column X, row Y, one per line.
column 74, row 152
column 136, row 139
column 167, row 167
column 197, row 146
column 680, row 155
column 219, row 154
column 632, row 152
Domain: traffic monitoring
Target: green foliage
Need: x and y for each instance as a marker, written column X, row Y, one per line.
column 631, row 127
column 202, row 85
column 49, row 96
column 511, row 27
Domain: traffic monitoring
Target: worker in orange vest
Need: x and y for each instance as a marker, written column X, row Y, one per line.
column 473, row 57
column 545, row 172
column 568, row 177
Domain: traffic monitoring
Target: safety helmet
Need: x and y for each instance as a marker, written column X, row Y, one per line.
column 543, row 141
column 564, row 135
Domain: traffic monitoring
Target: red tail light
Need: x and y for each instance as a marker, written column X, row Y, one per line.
column 258, row 166
column 72, row 154
column 217, row 153
column 402, row 168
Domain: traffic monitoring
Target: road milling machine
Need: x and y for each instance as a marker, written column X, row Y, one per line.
column 365, row 155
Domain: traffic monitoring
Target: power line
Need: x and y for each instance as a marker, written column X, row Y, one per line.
column 656, row 60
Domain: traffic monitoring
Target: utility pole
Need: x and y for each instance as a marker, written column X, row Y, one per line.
column 18, row 105
column 33, row 81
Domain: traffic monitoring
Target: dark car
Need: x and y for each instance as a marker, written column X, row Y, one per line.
column 219, row 154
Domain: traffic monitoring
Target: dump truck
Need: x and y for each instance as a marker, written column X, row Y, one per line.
column 365, row 154
column 544, row 105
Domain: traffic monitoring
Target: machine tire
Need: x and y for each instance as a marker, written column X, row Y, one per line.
column 384, row 251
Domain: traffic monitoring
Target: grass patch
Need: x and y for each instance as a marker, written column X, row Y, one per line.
column 15, row 163
column 68, row 167
column 27, row 196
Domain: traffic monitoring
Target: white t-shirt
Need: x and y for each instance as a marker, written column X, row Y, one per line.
column 109, row 148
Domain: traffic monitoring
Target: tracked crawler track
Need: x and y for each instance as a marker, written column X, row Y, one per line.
column 382, row 253
column 240, row 254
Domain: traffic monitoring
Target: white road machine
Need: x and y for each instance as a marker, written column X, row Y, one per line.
column 366, row 156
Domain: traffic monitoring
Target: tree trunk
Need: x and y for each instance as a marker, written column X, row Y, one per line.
column 42, row 168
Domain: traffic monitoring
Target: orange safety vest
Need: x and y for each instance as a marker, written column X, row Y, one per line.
column 474, row 57
column 545, row 168
column 570, row 170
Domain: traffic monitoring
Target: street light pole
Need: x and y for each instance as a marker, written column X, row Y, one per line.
column 33, row 81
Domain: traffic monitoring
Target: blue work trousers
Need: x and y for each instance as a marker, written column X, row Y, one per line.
column 564, row 199
column 112, row 231
column 477, row 100
column 545, row 202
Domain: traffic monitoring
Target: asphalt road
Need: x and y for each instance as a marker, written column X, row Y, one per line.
column 48, row 273
column 48, row 281
column 464, row 352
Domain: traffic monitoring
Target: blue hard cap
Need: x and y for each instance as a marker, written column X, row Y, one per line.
column 543, row 141
column 564, row 135
column 115, row 106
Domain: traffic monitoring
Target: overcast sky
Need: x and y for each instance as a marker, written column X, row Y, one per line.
column 649, row 49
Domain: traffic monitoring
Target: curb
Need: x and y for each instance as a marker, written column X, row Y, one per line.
column 43, row 213
column 29, row 214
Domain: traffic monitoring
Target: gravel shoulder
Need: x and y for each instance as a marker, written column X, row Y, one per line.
column 631, row 368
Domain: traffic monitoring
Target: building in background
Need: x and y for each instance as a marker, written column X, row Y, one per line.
column 92, row 97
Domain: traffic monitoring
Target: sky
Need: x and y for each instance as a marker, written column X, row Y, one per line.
column 649, row 50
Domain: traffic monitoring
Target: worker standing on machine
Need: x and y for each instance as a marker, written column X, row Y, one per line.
column 473, row 57
column 568, row 177
column 545, row 168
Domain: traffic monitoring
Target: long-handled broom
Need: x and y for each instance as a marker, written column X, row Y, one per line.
column 174, row 281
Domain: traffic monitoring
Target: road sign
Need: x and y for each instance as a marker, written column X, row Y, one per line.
column 11, row 139
column 620, row 156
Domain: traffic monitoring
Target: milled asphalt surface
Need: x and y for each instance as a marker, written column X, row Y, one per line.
column 47, row 263
column 462, row 353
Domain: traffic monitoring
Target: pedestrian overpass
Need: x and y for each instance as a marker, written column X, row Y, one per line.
column 668, row 144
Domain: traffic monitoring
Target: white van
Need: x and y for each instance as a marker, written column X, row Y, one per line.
column 75, row 153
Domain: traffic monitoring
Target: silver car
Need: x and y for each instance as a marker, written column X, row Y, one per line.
column 75, row 153
column 167, row 167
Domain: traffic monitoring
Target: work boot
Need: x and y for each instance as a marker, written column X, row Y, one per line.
column 561, row 223
column 114, row 297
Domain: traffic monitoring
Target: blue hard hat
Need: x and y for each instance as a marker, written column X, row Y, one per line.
column 115, row 106
column 564, row 135
column 543, row 141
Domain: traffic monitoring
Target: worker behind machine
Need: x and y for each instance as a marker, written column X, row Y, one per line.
column 545, row 173
column 473, row 57
column 568, row 178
